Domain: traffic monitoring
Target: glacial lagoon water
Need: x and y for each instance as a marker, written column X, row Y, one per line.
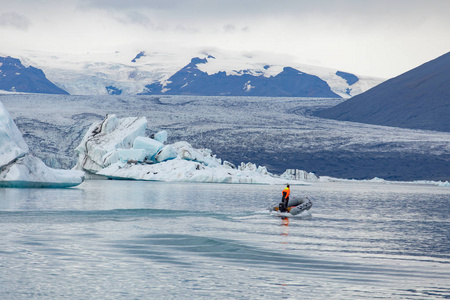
column 153, row 240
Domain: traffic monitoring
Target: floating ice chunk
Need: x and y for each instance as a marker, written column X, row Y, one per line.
column 30, row 171
column 247, row 167
column 187, row 152
column 104, row 137
column 175, row 162
column 296, row 174
column 376, row 179
column 227, row 164
column 20, row 169
column 161, row 136
column 12, row 144
column 166, row 153
column 124, row 155
column 109, row 124
column 151, row 146
column 186, row 171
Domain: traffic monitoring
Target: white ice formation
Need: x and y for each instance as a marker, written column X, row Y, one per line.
column 295, row 174
column 118, row 149
column 18, row 168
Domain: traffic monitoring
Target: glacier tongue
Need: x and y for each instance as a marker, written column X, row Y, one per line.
column 118, row 152
column 18, row 168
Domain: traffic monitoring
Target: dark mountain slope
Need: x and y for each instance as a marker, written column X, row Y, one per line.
column 289, row 83
column 15, row 77
column 418, row 99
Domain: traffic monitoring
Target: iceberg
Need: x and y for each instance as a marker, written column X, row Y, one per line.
column 166, row 153
column 118, row 149
column 107, row 136
column 124, row 155
column 151, row 146
column 299, row 175
column 161, row 136
column 18, row 168
column 444, row 184
column 180, row 170
column 12, row 144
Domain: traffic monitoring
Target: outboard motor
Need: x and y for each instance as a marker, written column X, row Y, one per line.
column 282, row 207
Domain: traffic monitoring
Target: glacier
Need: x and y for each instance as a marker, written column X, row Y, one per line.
column 117, row 148
column 18, row 168
column 116, row 73
column 278, row 133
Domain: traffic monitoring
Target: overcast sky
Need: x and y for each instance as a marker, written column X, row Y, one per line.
column 381, row 38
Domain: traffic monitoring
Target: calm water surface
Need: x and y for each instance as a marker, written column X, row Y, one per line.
column 150, row 240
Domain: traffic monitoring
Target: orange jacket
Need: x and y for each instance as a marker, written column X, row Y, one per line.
column 286, row 192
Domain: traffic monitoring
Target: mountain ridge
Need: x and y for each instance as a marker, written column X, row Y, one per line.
column 190, row 80
column 15, row 77
column 128, row 73
column 416, row 99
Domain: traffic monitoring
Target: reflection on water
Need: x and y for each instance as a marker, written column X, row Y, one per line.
column 285, row 224
column 114, row 239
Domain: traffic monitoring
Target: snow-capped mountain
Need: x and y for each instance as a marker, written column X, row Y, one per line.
column 15, row 77
column 254, row 76
column 149, row 72
column 191, row 80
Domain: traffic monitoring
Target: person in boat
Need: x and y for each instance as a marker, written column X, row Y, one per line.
column 285, row 198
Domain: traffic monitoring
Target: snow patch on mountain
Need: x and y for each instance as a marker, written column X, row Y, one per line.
column 190, row 80
column 131, row 70
column 271, row 67
column 92, row 73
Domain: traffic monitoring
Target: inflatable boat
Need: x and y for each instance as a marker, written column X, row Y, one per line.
column 295, row 206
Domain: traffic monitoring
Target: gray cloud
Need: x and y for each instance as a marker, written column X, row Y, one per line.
column 366, row 37
column 13, row 19
column 233, row 16
column 287, row 7
column 185, row 29
column 131, row 4
column 229, row 28
column 135, row 18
